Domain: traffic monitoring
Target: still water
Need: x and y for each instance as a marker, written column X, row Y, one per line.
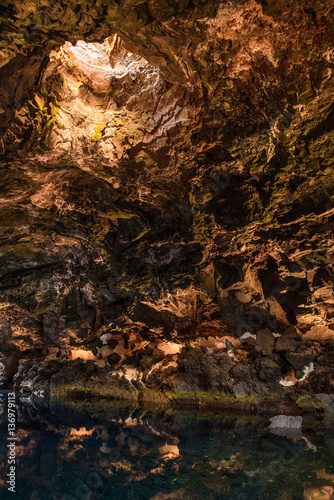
column 121, row 452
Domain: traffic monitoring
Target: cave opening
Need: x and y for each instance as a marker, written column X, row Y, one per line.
column 96, row 98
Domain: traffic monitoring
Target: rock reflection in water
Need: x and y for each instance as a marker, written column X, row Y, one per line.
column 123, row 452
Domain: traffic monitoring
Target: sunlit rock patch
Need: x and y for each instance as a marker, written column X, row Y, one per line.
column 107, row 110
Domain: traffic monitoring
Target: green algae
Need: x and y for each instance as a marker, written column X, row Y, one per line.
column 99, row 127
column 204, row 224
column 21, row 250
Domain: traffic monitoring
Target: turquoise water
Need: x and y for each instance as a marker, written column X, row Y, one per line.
column 122, row 452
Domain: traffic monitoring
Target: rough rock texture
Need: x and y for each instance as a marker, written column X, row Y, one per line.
column 166, row 219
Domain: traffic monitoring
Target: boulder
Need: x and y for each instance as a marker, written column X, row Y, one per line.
column 319, row 333
column 243, row 379
column 200, row 371
column 286, row 422
column 301, row 359
column 290, row 340
column 329, row 417
column 265, row 341
column 325, row 399
column 323, row 294
column 270, row 371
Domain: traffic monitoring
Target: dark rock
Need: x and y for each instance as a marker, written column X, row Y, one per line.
column 290, row 340
column 202, row 372
column 229, row 345
column 301, row 359
column 270, row 371
column 35, row 377
column 329, row 417
column 243, row 379
column 51, row 328
column 265, row 342
column 112, row 343
column 114, row 358
column 5, row 335
column 319, row 381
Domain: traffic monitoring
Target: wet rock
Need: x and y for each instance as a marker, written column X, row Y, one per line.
column 9, row 362
column 299, row 360
column 329, row 417
column 243, row 379
column 34, row 377
column 270, row 371
column 200, row 371
column 320, row 380
column 325, row 399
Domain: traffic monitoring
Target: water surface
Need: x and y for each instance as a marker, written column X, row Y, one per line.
column 121, row 452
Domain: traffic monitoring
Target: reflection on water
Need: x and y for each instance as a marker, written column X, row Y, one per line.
column 120, row 452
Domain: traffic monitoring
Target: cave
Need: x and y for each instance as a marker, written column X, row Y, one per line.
column 167, row 202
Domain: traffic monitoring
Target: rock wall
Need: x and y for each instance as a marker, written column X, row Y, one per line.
column 167, row 219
